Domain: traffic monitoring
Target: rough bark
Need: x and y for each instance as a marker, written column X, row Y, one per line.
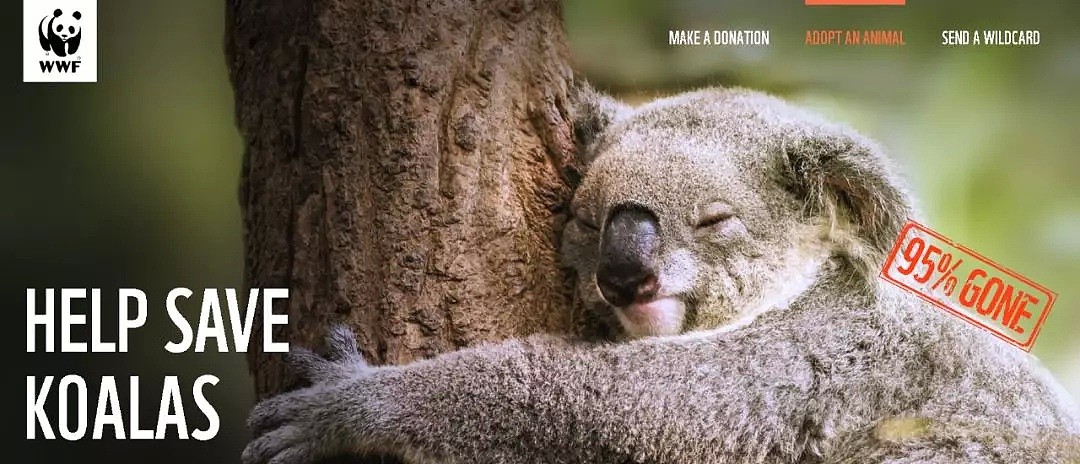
column 406, row 171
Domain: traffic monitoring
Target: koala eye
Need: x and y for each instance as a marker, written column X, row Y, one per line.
column 582, row 218
column 714, row 213
column 585, row 223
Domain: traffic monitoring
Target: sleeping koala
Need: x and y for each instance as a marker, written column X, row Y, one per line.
column 733, row 240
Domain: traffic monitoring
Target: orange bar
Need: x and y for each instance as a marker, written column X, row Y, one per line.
column 854, row 2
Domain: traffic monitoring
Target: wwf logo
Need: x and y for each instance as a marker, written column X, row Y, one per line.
column 59, row 40
column 61, row 33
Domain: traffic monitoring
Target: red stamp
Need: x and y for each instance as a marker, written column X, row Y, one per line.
column 968, row 285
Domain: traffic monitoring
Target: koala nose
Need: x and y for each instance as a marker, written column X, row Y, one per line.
column 625, row 272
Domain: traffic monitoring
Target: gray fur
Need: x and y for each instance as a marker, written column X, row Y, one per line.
column 791, row 350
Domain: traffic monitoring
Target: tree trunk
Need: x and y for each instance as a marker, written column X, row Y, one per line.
column 407, row 169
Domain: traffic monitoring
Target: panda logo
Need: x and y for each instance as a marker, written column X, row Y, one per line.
column 61, row 34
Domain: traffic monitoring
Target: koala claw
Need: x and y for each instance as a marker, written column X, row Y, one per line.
column 292, row 456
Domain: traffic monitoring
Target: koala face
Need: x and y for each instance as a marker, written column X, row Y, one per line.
column 691, row 215
column 681, row 235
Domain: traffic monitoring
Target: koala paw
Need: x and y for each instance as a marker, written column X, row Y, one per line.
column 342, row 361
column 300, row 427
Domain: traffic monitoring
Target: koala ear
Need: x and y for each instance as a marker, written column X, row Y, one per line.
column 593, row 112
column 847, row 180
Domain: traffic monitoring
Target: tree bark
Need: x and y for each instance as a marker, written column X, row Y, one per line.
column 407, row 169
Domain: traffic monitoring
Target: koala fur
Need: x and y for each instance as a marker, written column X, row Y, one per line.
column 762, row 334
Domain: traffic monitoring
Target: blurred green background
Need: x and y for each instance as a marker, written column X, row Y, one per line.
column 131, row 182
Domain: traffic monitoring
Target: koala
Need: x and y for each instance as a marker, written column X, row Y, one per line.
column 730, row 242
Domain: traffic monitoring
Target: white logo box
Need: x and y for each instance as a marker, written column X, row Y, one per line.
column 60, row 40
